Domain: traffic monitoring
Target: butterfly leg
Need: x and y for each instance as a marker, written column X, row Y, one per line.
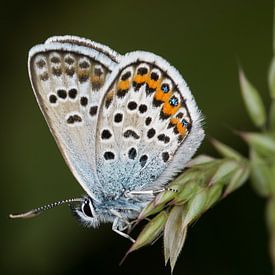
column 128, row 225
column 148, row 192
column 144, row 192
column 116, row 228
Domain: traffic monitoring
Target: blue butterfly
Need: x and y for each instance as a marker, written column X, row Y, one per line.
column 125, row 125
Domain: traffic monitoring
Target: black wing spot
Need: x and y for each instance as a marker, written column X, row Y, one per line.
column 106, row 134
column 148, row 120
column 77, row 118
column 142, row 108
column 84, row 65
column 170, row 125
column 143, row 159
column 70, row 120
column 118, row 117
column 84, row 101
column 70, row 71
column 175, row 130
column 55, row 59
column 93, row 110
column 142, row 71
column 165, row 156
column 53, row 99
column 151, row 132
column 164, row 138
column 108, row 155
column 122, row 93
column 56, row 71
column 72, row 93
column 132, row 105
column 163, row 116
column 137, row 85
column 154, row 76
column 161, row 137
column 156, row 102
column 62, row 93
column 131, row 133
column 126, row 76
column 41, row 63
column 69, row 60
column 132, row 153
column 74, row 118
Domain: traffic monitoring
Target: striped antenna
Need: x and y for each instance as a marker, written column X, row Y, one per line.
column 37, row 211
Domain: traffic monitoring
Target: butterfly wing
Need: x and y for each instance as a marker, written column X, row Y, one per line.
column 68, row 75
column 148, row 127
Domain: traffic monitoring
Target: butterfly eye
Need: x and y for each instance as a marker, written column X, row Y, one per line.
column 86, row 209
column 165, row 88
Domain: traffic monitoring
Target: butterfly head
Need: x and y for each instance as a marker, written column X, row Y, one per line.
column 85, row 212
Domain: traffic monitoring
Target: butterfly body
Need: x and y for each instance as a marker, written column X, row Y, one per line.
column 125, row 124
column 106, row 211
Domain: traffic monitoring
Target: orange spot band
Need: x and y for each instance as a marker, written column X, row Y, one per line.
column 123, row 85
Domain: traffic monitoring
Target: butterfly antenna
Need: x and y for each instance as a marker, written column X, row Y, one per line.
column 37, row 211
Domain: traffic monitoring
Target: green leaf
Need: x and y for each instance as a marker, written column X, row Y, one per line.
column 261, row 176
column 150, row 209
column 271, row 78
column 272, row 116
column 239, row 177
column 150, row 232
column 263, row 144
column 226, row 167
column 225, row 150
column 253, row 101
column 195, row 207
column 214, row 194
column 165, row 197
column 201, row 159
column 174, row 235
column 189, row 190
column 187, row 175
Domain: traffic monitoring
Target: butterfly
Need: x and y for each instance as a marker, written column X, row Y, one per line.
column 125, row 125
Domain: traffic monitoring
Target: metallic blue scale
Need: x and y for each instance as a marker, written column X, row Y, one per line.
column 185, row 123
column 165, row 88
column 174, row 101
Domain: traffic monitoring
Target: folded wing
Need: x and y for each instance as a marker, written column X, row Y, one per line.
column 68, row 75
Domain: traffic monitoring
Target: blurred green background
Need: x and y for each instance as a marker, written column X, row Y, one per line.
column 205, row 40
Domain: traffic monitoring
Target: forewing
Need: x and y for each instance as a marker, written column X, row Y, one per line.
column 67, row 76
column 149, row 125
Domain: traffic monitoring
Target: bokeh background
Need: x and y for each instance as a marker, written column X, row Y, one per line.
column 205, row 40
